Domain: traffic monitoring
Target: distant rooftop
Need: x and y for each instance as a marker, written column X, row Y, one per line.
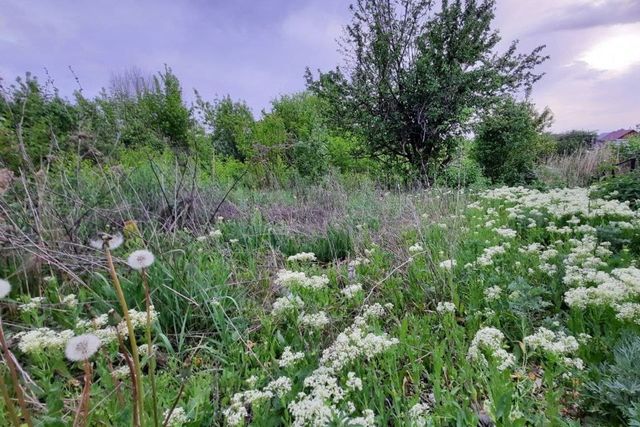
column 616, row 135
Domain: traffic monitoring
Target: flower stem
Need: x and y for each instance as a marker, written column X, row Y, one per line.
column 132, row 335
column 8, row 358
column 150, row 352
column 83, row 409
column 8, row 402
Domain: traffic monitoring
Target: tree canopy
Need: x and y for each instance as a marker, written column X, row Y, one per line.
column 416, row 76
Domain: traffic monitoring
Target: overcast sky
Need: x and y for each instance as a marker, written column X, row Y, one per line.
column 258, row 49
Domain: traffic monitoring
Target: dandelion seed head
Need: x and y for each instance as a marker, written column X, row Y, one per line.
column 82, row 347
column 113, row 241
column 5, row 288
column 140, row 259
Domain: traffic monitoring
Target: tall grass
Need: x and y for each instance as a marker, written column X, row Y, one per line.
column 580, row 168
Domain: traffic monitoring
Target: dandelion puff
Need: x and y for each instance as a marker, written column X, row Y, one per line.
column 5, row 288
column 113, row 240
column 140, row 259
column 82, row 347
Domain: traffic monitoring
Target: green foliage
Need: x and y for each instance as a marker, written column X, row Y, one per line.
column 232, row 124
column 464, row 170
column 574, row 140
column 616, row 386
column 35, row 116
column 418, row 77
column 625, row 187
column 509, row 142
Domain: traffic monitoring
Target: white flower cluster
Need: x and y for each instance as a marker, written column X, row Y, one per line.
column 290, row 279
column 486, row 258
column 286, row 303
column 552, row 342
column 448, row 264
column 506, row 232
column 236, row 413
column 353, row 382
column 445, row 307
column 418, row 414
column 42, row 340
column 560, row 202
column 178, row 417
column 352, row 290
column 121, row 373
column 33, row 304
column 612, row 289
column 359, row 261
column 70, row 300
column 491, row 340
column 318, row 405
column 108, row 334
column 492, row 293
column 288, row 358
column 417, row 247
column 314, row 320
column 302, row 256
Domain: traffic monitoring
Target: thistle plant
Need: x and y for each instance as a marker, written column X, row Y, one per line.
column 110, row 242
column 140, row 260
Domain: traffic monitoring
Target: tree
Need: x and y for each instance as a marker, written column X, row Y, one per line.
column 232, row 126
column 416, row 78
column 509, row 140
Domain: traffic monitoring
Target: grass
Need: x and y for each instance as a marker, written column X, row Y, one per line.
column 391, row 353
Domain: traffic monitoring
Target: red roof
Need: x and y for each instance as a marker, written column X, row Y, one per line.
column 616, row 134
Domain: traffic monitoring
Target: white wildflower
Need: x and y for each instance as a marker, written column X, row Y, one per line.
column 302, row 256
column 352, row 290
column 178, row 417
column 445, row 307
column 448, row 264
column 289, row 358
column 314, row 320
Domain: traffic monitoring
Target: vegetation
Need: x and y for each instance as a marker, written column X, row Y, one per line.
column 509, row 142
column 417, row 78
column 350, row 257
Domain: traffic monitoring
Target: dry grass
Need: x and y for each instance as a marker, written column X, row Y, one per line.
column 578, row 169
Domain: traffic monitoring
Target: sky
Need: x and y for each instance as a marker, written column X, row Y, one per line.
column 256, row 50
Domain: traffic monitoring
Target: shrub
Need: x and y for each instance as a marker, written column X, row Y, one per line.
column 572, row 141
column 509, row 142
column 625, row 187
column 617, row 385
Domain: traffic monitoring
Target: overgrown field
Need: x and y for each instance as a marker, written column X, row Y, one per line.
column 326, row 306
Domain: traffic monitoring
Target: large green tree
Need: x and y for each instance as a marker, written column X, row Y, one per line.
column 417, row 75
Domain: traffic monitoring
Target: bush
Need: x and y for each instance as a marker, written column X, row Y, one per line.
column 617, row 385
column 464, row 171
column 625, row 187
column 509, row 142
column 572, row 141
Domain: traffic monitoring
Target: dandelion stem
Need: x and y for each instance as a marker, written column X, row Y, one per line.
column 8, row 402
column 132, row 336
column 83, row 409
column 150, row 352
column 14, row 377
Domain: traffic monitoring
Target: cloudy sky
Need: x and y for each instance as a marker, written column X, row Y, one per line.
column 257, row 49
